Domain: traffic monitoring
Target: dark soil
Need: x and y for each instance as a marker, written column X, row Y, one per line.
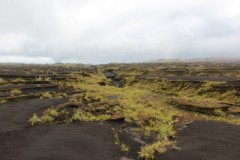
column 201, row 140
column 27, row 87
column 19, row 141
column 207, row 140
column 84, row 141
column 14, row 115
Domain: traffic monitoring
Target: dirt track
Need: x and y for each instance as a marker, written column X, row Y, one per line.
column 92, row 141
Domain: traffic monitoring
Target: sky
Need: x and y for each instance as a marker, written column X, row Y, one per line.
column 103, row 31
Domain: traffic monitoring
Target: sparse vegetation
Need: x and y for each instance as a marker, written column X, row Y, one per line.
column 123, row 147
column 16, row 91
column 34, row 120
column 51, row 112
column 132, row 103
column 80, row 115
column 147, row 152
column 3, row 101
column 47, row 119
column 1, row 80
column 52, row 95
column 46, row 95
column 152, row 97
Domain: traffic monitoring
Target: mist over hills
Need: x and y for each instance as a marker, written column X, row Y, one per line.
column 211, row 59
column 169, row 60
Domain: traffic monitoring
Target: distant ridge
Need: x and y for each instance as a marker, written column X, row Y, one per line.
column 211, row 59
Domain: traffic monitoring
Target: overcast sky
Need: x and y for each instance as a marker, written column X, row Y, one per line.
column 102, row 31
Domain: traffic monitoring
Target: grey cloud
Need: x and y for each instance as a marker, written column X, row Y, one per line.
column 120, row 31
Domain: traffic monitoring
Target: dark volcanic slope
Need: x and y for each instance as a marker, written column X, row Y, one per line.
column 14, row 115
column 207, row 140
column 202, row 140
column 86, row 141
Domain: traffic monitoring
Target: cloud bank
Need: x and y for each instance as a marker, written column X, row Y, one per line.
column 93, row 31
column 27, row 60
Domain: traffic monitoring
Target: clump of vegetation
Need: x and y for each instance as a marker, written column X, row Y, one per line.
column 147, row 152
column 43, row 78
column 52, row 95
column 15, row 91
column 219, row 112
column 124, row 148
column 48, row 116
column 18, row 80
column 80, row 115
column 34, row 120
column 47, row 119
column 46, row 95
column 51, row 112
column 1, row 80
column 2, row 100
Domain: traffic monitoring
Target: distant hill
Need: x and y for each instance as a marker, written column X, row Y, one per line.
column 212, row 59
